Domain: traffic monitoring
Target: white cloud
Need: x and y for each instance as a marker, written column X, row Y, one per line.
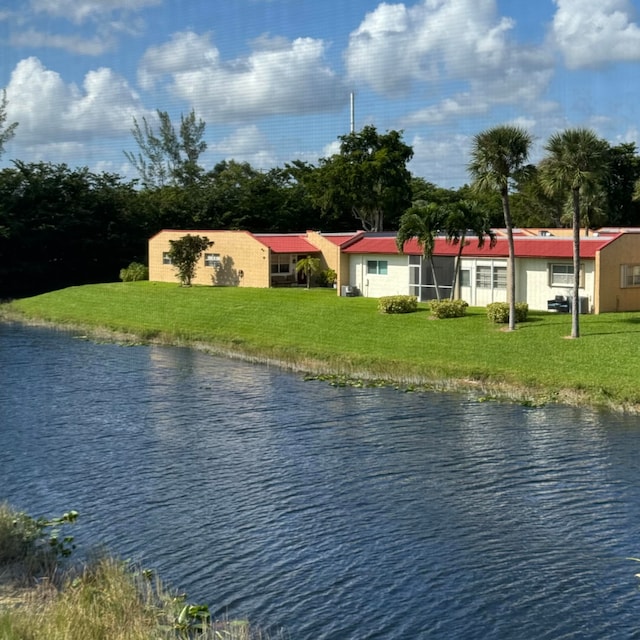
column 48, row 109
column 247, row 144
column 440, row 43
column 74, row 44
column 443, row 159
column 590, row 33
column 79, row 11
column 278, row 77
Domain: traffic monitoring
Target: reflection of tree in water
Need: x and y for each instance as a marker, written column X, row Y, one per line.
column 225, row 275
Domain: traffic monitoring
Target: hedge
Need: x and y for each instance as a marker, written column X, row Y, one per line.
column 498, row 312
column 398, row 304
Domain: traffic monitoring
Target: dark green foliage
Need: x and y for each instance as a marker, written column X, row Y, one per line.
column 398, row 304
column 498, row 312
column 184, row 254
column 448, row 308
column 62, row 227
column 369, row 178
column 326, row 278
column 134, row 273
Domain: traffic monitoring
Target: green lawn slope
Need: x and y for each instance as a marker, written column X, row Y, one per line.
column 317, row 332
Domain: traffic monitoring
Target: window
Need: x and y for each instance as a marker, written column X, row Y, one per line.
column 561, row 274
column 630, row 275
column 499, row 277
column 465, row 278
column 280, row 264
column 491, row 277
column 166, row 258
column 483, row 277
column 377, row 267
column 212, row 260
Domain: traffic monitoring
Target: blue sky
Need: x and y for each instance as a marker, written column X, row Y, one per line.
column 272, row 78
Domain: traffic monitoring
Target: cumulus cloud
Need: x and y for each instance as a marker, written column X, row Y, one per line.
column 247, row 144
column 47, row 108
column 434, row 42
column 277, row 77
column 591, row 33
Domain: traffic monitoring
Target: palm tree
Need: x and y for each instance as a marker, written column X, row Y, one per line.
column 575, row 164
column 422, row 221
column 464, row 216
column 498, row 156
column 308, row 266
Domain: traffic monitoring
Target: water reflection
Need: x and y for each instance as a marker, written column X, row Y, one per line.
column 336, row 512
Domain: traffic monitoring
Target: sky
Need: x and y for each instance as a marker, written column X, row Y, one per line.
column 273, row 79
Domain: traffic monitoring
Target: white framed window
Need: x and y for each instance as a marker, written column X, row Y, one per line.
column 561, row 274
column 280, row 264
column 212, row 260
column 490, row 277
column 166, row 258
column 483, row 277
column 377, row 267
column 630, row 275
column 499, row 277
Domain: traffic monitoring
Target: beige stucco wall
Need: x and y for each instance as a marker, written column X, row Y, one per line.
column 610, row 295
column 245, row 262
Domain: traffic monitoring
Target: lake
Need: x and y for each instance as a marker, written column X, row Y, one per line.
column 332, row 512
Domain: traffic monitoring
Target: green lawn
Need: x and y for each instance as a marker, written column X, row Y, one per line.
column 315, row 330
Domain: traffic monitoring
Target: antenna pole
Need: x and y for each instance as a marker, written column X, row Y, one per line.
column 353, row 112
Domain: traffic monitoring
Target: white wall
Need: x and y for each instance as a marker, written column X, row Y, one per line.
column 395, row 282
column 481, row 297
column 536, row 288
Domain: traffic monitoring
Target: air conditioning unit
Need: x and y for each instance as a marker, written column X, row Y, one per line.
column 346, row 290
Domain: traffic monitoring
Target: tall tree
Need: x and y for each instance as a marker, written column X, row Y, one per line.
column 464, row 217
column 422, row 221
column 575, row 164
column 184, row 254
column 167, row 157
column 623, row 171
column 6, row 131
column 369, row 177
column 498, row 157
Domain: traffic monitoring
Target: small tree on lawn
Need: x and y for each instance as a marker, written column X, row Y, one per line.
column 184, row 255
column 308, row 266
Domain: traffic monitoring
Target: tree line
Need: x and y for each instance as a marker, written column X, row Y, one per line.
column 62, row 226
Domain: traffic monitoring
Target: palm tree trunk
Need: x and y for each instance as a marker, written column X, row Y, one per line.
column 435, row 277
column 456, row 271
column 575, row 307
column 511, row 264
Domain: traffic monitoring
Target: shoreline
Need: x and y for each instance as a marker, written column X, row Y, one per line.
column 314, row 369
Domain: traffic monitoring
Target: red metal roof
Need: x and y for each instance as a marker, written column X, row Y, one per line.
column 286, row 243
column 525, row 247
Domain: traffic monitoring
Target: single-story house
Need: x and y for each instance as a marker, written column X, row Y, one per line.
column 370, row 264
column 243, row 259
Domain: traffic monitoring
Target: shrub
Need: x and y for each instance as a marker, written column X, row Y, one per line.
column 327, row 278
column 498, row 312
column 448, row 308
column 398, row 304
column 134, row 272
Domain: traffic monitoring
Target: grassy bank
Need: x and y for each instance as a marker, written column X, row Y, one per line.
column 318, row 332
column 43, row 596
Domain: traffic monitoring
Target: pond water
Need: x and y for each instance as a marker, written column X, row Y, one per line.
column 337, row 513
